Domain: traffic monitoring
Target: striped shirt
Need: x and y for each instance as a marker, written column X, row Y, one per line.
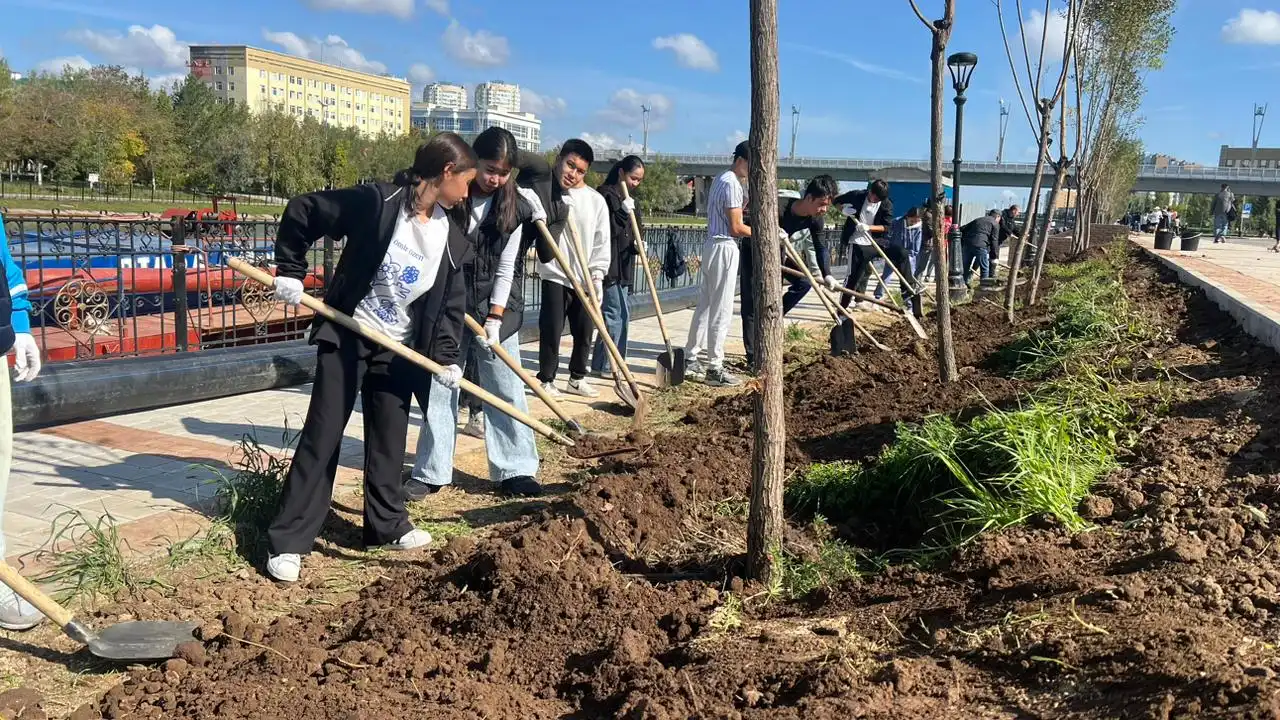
column 726, row 194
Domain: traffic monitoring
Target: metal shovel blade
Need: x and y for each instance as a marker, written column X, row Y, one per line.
column 843, row 341
column 671, row 367
column 140, row 641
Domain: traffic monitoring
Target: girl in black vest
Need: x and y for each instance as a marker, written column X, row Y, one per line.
column 616, row 303
column 401, row 273
column 492, row 219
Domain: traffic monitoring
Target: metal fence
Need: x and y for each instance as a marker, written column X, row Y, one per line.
column 83, row 192
column 121, row 288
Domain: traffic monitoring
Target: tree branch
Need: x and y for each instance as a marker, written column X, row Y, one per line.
column 927, row 23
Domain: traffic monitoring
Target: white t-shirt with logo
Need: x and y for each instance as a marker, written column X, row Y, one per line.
column 868, row 218
column 407, row 271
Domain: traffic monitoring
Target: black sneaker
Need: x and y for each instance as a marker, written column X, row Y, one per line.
column 415, row 490
column 719, row 377
column 522, row 486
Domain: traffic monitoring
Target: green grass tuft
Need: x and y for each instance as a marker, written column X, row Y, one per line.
column 249, row 497
column 88, row 558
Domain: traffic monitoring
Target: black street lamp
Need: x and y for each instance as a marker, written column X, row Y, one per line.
column 961, row 66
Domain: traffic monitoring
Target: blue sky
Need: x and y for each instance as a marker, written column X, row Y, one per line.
column 860, row 79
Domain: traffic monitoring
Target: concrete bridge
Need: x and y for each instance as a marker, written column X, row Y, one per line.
column 1243, row 181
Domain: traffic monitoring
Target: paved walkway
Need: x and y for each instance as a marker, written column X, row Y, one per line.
column 1241, row 276
column 151, row 470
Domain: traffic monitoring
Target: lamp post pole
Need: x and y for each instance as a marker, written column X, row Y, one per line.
column 961, row 66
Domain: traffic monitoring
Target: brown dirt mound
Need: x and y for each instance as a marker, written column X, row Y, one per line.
column 601, row 605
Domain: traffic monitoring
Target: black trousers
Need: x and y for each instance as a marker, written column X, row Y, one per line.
column 559, row 302
column 900, row 259
column 860, row 257
column 385, row 383
column 795, row 292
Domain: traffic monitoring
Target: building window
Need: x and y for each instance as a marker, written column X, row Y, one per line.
column 231, row 70
column 217, row 69
column 218, row 85
column 231, row 86
column 262, row 89
column 262, row 73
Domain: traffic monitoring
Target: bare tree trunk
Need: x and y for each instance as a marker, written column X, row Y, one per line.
column 1059, row 179
column 764, row 523
column 947, row 371
column 1033, row 203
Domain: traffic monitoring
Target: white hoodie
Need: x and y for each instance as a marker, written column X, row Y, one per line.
column 592, row 220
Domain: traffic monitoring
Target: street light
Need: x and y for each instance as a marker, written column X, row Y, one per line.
column 961, row 66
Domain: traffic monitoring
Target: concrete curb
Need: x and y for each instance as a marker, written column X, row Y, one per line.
column 1262, row 324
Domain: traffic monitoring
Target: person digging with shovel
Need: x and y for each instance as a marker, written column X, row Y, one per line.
column 492, row 218
column 615, row 304
column 567, row 187
column 401, row 274
column 868, row 213
column 15, row 336
column 801, row 221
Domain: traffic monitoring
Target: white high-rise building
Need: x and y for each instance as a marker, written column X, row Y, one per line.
column 498, row 96
column 445, row 95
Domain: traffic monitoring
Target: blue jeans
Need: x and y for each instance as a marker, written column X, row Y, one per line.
column 616, row 307
column 983, row 256
column 1220, row 226
column 510, row 444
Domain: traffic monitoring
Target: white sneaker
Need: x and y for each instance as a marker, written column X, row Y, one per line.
column 412, row 540
column 552, row 390
column 583, row 388
column 284, row 567
column 18, row 614
column 475, row 426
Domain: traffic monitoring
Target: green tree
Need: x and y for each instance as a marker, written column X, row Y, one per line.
column 1197, row 212
column 1263, row 219
column 1162, row 200
column 662, row 190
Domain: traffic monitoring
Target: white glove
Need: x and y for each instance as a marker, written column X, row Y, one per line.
column 597, row 281
column 27, row 356
column 539, row 213
column 832, row 283
column 630, row 204
column 782, row 235
column 288, row 290
column 848, row 211
column 492, row 332
column 450, row 377
column 861, row 227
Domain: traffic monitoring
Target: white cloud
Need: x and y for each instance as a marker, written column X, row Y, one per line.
column 481, row 48
column 1253, row 27
column 604, row 141
column 438, row 6
column 624, row 109
column 690, row 51
column 398, row 8
column 57, row 65
column 152, row 47
column 734, row 138
column 542, row 105
column 1054, row 34
column 421, row 74
column 857, row 64
column 332, row 49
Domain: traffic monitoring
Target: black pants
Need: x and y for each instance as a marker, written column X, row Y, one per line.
column 469, row 372
column 385, row 383
column 747, row 297
column 860, row 257
column 900, row 259
column 559, row 302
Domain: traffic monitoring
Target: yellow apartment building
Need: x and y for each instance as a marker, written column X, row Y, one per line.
column 262, row 79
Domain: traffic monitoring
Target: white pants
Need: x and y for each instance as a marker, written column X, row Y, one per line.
column 711, row 317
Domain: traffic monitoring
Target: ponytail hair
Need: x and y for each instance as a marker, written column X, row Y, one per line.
column 628, row 164
column 429, row 164
column 497, row 144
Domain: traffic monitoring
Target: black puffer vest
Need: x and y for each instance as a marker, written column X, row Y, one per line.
column 489, row 241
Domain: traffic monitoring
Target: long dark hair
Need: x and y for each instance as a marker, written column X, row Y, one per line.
column 628, row 164
column 429, row 163
column 498, row 145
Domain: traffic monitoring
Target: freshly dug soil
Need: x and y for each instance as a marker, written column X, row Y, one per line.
column 605, row 604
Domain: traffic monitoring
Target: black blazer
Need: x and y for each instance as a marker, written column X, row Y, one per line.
column 366, row 216
column 535, row 174
column 858, row 198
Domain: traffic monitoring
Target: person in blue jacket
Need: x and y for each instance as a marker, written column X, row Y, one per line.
column 15, row 335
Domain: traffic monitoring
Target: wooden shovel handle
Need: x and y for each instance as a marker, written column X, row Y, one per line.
column 399, row 348
column 795, row 258
column 648, row 273
column 45, row 604
column 523, row 374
